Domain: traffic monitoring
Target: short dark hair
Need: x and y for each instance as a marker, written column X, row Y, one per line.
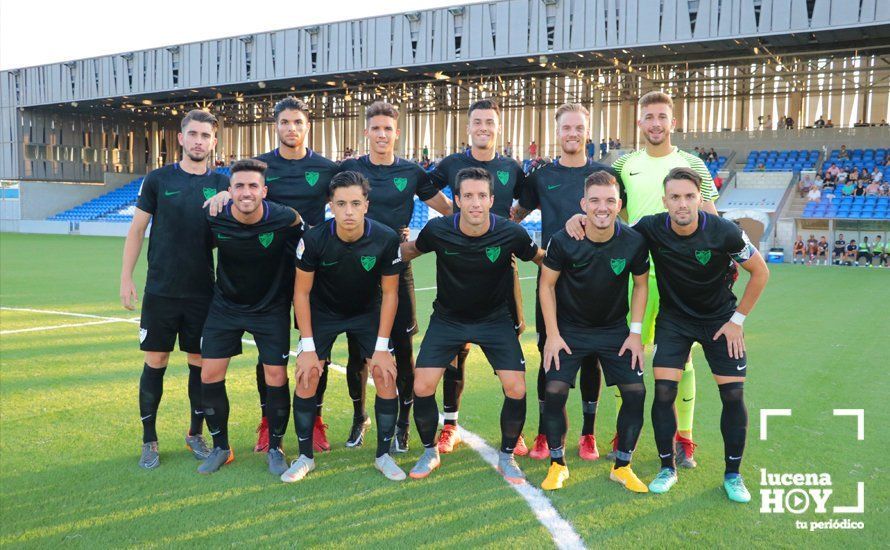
column 250, row 165
column 381, row 108
column 199, row 115
column 683, row 173
column 290, row 103
column 600, row 177
column 473, row 173
column 487, row 103
column 349, row 179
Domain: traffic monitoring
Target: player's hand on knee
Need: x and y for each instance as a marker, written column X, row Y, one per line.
column 735, row 339
column 552, row 347
column 634, row 345
column 307, row 363
column 217, row 202
column 383, row 365
column 128, row 295
column 575, row 226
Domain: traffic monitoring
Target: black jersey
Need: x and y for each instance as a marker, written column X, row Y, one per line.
column 691, row 271
column 392, row 189
column 507, row 174
column 840, row 244
column 347, row 275
column 253, row 266
column 557, row 190
column 474, row 275
column 591, row 291
column 180, row 259
column 301, row 184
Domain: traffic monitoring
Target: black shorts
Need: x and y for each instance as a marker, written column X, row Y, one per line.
column 406, row 314
column 822, row 252
column 674, row 338
column 445, row 337
column 225, row 327
column 361, row 328
column 838, row 251
column 591, row 345
column 163, row 319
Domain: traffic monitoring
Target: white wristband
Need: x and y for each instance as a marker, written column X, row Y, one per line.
column 307, row 344
column 636, row 328
column 382, row 344
column 738, row 318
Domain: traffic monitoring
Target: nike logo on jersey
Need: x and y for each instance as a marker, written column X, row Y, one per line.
column 688, row 400
column 326, row 264
column 580, row 264
column 272, row 178
column 635, row 173
column 170, row 193
column 222, row 237
column 552, row 187
column 449, row 253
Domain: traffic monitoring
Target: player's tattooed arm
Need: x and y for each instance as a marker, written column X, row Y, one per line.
column 307, row 360
column 441, row 204
column 553, row 343
column 382, row 364
column 519, row 213
column 634, row 341
column 732, row 330
column 217, row 202
column 409, row 251
column 132, row 249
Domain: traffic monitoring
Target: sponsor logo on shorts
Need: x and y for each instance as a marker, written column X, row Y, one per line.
column 311, row 178
column 368, row 262
column 400, row 183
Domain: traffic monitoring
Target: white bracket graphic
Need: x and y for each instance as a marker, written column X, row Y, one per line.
column 860, row 502
column 860, row 420
column 765, row 414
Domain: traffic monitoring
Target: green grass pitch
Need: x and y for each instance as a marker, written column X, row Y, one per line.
column 70, row 433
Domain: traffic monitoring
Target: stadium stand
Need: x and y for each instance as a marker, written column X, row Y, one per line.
column 863, row 159
column 854, row 208
column 782, row 161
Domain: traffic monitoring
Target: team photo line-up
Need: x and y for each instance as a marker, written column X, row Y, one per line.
column 606, row 289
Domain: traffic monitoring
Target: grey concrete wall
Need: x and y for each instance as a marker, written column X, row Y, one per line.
column 41, row 199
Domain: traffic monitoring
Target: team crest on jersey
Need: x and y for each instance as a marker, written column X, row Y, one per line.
column 503, row 176
column 312, row 178
column 143, row 332
column 209, row 192
column 266, row 239
column 703, row 256
column 400, row 183
column 493, row 253
column 368, row 262
column 618, row 265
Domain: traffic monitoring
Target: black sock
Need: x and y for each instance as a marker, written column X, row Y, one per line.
column 278, row 412
column 322, row 387
column 197, row 407
column 216, row 412
column 304, row 421
column 542, row 391
column 590, row 382
column 453, row 387
column 664, row 421
column 512, row 421
column 426, row 418
column 261, row 386
column 630, row 421
column 151, row 388
column 385, row 412
column 733, row 424
column 403, row 349
column 555, row 421
column 356, row 379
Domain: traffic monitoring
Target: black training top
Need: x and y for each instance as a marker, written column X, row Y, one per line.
column 691, row 271
column 347, row 275
column 591, row 291
column 180, row 259
column 507, row 174
column 301, row 184
column 253, row 266
column 474, row 275
column 557, row 190
column 392, row 189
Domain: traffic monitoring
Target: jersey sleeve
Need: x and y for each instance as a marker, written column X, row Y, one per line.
column 439, row 176
column 528, row 195
column 424, row 242
column 307, row 254
column 521, row 182
column 737, row 244
column 639, row 264
column 222, row 183
column 426, row 189
column 708, row 189
column 148, row 194
column 616, row 170
column 554, row 257
column 392, row 257
column 524, row 245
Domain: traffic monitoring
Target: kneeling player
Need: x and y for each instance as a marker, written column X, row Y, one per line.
column 341, row 266
column 474, row 277
column 692, row 252
column 584, row 303
column 251, row 295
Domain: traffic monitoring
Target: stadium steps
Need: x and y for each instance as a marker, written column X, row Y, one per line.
column 103, row 205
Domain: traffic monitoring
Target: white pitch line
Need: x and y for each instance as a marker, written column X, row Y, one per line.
column 55, row 327
column 561, row 531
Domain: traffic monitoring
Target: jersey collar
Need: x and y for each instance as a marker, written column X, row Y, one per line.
column 367, row 227
column 265, row 210
column 309, row 154
column 456, row 219
column 207, row 173
column 702, row 223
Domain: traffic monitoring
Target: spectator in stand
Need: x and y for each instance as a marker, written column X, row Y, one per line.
column 812, row 249
column 873, row 189
column 854, row 176
column 789, row 123
column 712, row 155
column 839, row 246
column 823, row 251
column 819, row 123
column 804, row 184
column 611, row 144
column 885, row 190
column 533, row 149
column 718, row 182
column 618, row 143
column 880, row 251
column 847, row 189
column 590, row 149
column 864, row 252
column 859, row 190
column 426, row 152
column 603, row 148
column 820, row 179
column 842, row 177
column 832, row 172
column 843, row 154
column 797, row 250
column 814, row 194
column 876, row 175
column 850, row 252
column 829, row 124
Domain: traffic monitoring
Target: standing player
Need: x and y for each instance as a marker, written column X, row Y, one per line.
column 692, row 252
column 474, row 250
column 585, row 309
column 557, row 189
column 297, row 177
column 179, row 284
column 342, row 265
column 251, row 295
column 641, row 175
column 394, row 182
column 483, row 127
